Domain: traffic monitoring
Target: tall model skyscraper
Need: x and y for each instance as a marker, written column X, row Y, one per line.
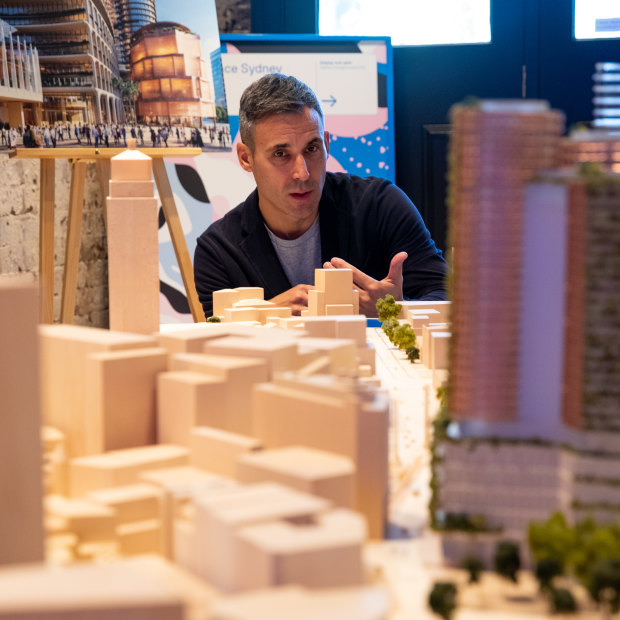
column 131, row 16
column 534, row 389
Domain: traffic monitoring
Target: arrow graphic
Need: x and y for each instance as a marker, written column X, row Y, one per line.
column 332, row 101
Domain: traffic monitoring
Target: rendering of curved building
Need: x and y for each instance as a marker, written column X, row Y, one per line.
column 167, row 64
column 75, row 43
column 131, row 15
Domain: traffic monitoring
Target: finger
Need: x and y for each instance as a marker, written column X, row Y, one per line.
column 395, row 273
column 359, row 277
column 328, row 265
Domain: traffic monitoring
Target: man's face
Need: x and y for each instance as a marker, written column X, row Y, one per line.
column 288, row 162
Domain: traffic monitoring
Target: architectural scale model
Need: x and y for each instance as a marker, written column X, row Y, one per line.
column 533, row 388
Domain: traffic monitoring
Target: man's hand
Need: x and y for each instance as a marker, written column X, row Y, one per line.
column 296, row 298
column 370, row 289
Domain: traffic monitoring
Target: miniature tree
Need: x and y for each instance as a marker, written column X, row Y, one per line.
column 473, row 565
column 442, row 599
column 604, row 583
column 507, row 560
column 413, row 353
column 552, row 539
column 562, row 601
column 546, row 570
column 404, row 336
column 387, row 308
column 214, row 319
column 389, row 326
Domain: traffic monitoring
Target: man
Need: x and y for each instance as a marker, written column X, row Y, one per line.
column 301, row 217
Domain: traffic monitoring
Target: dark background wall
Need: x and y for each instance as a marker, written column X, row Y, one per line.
column 532, row 53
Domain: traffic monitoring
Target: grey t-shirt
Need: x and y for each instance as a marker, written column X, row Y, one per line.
column 301, row 256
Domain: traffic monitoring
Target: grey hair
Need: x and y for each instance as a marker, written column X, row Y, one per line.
column 274, row 93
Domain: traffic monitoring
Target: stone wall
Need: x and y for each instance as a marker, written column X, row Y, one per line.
column 19, row 234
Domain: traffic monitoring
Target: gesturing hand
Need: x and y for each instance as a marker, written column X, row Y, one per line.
column 296, row 298
column 370, row 289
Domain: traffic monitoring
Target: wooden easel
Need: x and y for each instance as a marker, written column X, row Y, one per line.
column 101, row 157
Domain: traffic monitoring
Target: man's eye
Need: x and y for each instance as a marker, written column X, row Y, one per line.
column 279, row 154
column 313, row 148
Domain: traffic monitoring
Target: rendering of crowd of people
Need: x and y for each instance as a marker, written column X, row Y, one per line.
column 106, row 135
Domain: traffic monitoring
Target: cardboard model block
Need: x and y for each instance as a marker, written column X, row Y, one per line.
column 280, row 354
column 121, row 467
column 221, row 513
column 326, row 414
column 353, row 327
column 356, row 301
column 239, row 374
column 186, row 399
column 273, row 314
column 324, row 552
column 316, row 303
column 217, row 451
column 133, row 264
column 338, row 309
column 21, row 516
column 366, row 356
column 308, row 470
column 442, row 307
column 54, row 461
column 192, row 340
column 140, row 537
column 342, row 353
column 250, row 292
column 337, row 284
column 440, row 343
column 235, row 315
column 88, row 520
column 86, row 592
column 283, row 603
column 421, row 318
column 321, row 326
column 120, row 398
column 132, row 189
column 134, row 502
column 64, row 349
column 131, row 165
column 253, row 303
column 222, row 299
column 425, row 349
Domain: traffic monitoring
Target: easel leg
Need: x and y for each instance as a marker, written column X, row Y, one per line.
column 103, row 174
column 46, row 241
column 178, row 239
column 74, row 237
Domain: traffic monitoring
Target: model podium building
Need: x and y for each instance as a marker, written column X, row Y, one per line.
column 133, row 247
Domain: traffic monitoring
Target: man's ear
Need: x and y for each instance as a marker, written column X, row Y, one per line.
column 326, row 140
column 244, row 155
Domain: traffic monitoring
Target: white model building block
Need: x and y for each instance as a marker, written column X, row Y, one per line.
column 344, row 417
column 131, row 189
column 54, row 461
column 320, row 326
column 88, row 520
column 21, row 516
column 250, row 292
column 179, row 485
column 234, row 315
column 439, row 345
column 120, row 467
column 64, row 349
column 133, row 247
column 348, row 326
column 86, row 592
column 338, row 309
column 284, row 603
column 323, row 552
column 336, row 284
column 220, row 514
column 308, row 470
column 292, row 323
column 419, row 320
column 140, row 537
column 356, row 301
column 279, row 353
column 186, row 399
column 273, row 314
column 253, row 303
column 192, row 340
column 120, row 398
column 442, row 307
column 425, row 349
column 366, row 356
column 342, row 353
column 133, row 502
column 316, row 303
column 217, row 451
column 239, row 375
column 222, row 299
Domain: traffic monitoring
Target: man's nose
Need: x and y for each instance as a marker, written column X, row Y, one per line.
column 300, row 169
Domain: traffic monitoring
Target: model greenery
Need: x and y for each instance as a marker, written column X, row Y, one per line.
column 442, row 599
column 214, row 319
column 473, row 565
column 399, row 335
column 507, row 560
column 387, row 308
column 546, row 570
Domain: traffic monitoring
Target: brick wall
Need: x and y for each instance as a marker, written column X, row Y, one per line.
column 19, row 234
